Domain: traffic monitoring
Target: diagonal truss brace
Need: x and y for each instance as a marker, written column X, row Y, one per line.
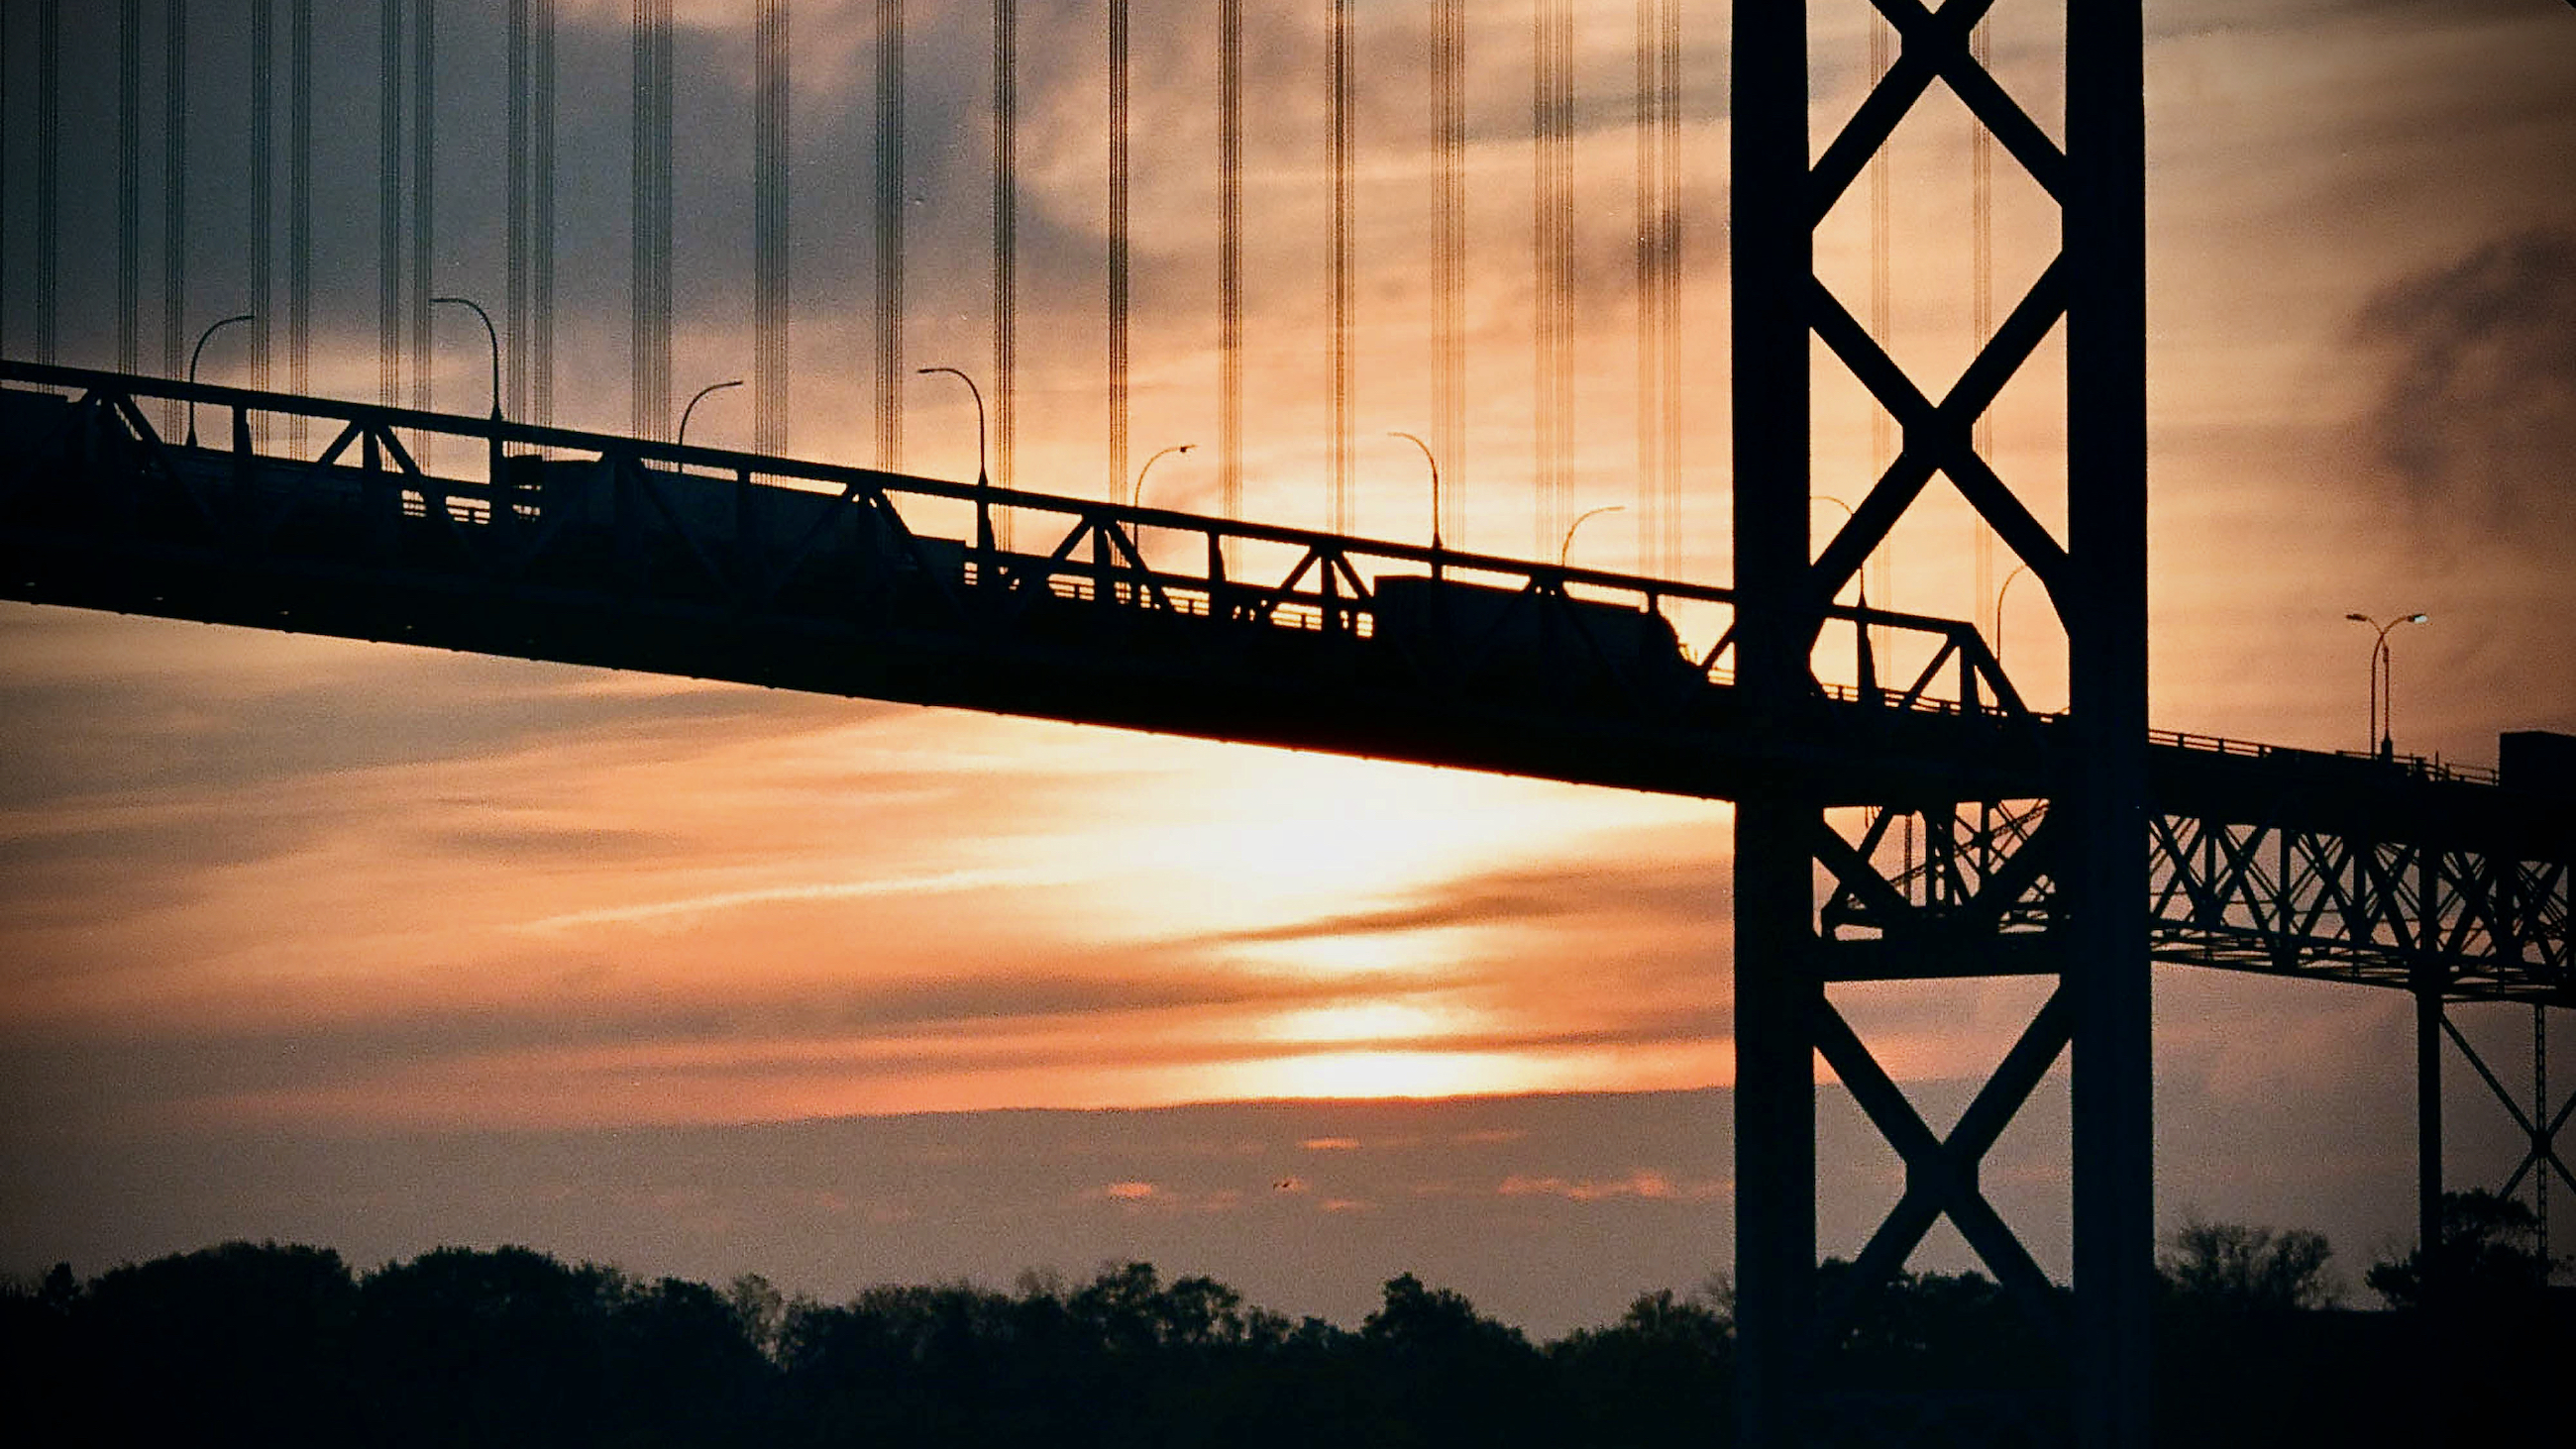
column 1941, row 1173
column 1939, row 437
column 1935, row 47
column 2542, row 1154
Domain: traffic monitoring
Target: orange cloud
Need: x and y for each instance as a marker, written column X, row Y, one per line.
column 1644, row 1183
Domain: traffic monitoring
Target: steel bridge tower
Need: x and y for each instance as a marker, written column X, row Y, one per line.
column 2096, row 581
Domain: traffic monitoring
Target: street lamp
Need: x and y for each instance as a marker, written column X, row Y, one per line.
column 2383, row 697
column 1136, row 497
column 2018, row 571
column 1848, row 515
column 983, row 481
column 193, row 355
column 1864, row 657
column 683, row 439
column 1566, row 548
column 1435, row 495
column 490, row 332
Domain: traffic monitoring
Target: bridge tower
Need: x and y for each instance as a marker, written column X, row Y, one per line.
column 2087, row 853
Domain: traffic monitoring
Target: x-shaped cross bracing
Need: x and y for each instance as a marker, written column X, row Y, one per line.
column 1941, row 1173
column 2542, row 1153
column 1938, row 437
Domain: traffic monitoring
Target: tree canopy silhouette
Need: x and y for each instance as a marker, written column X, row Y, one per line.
column 269, row 1345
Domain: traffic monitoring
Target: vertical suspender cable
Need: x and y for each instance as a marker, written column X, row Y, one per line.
column 424, row 154
column 1562, row 384
column 1006, row 212
column 639, row 213
column 174, row 200
column 1981, row 193
column 129, row 186
column 769, row 281
column 889, row 229
column 299, row 212
column 1649, row 211
column 4, row 178
column 1552, row 105
column 49, row 161
column 389, row 205
column 664, row 308
column 1340, row 68
column 263, row 180
column 1229, row 264
column 514, row 296
column 1542, row 273
column 541, row 213
column 1118, row 82
column 1669, row 237
column 649, row 411
column 1449, row 390
column 1658, row 283
column 1882, row 427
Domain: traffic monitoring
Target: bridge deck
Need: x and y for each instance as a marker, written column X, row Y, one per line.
column 624, row 554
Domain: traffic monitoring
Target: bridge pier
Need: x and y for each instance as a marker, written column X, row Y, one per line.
column 2429, row 1024
column 2096, row 788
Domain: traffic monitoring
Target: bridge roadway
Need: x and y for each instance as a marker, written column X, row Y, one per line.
column 628, row 554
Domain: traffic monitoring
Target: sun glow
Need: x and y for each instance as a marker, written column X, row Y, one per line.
column 1369, row 1021
column 1393, row 1074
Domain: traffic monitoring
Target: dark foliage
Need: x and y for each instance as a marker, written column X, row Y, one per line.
column 1663, row 1374
column 283, row 1346
column 2230, row 1267
column 2488, row 1260
column 1958, row 1331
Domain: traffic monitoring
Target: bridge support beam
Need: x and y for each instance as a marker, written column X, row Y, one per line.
column 2428, row 1120
column 2105, row 610
column 1776, row 981
column 2096, row 578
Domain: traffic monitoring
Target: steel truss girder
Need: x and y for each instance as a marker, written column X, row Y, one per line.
column 2492, row 924
column 1975, row 891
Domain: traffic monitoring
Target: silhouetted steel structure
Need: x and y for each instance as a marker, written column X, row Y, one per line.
column 1955, row 832
column 629, row 553
column 1229, row 258
column 649, row 233
column 770, row 273
column 632, row 554
column 2096, row 790
column 886, row 179
column 299, row 208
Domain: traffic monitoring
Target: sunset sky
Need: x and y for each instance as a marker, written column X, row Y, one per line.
column 383, row 948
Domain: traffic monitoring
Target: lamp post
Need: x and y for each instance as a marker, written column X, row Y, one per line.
column 1861, row 579
column 1435, row 495
column 700, row 396
column 1566, row 549
column 2383, row 698
column 492, row 334
column 1864, row 657
column 193, row 355
column 1136, row 496
column 983, row 480
column 2018, row 571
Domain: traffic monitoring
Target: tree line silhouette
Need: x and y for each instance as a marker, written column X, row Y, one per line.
column 285, row 1346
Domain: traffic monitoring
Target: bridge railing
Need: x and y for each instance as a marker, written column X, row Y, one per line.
column 1413, row 596
column 2421, row 767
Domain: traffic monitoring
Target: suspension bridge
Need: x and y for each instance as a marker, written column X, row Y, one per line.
column 1955, row 830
